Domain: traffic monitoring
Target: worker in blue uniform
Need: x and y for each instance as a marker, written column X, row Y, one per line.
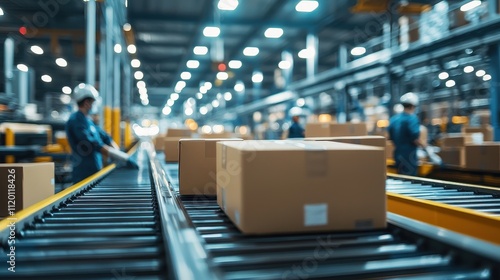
column 295, row 130
column 404, row 131
column 88, row 142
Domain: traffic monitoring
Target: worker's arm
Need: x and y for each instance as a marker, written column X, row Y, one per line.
column 414, row 127
column 106, row 138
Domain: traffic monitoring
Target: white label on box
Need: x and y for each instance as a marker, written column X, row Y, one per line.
column 316, row 214
column 237, row 216
column 52, row 181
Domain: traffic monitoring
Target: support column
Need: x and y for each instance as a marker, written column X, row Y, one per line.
column 109, row 69
column 387, row 35
column 8, row 65
column 342, row 56
column 91, row 34
column 494, row 70
column 341, row 102
column 492, row 8
column 312, row 59
column 116, row 101
column 103, row 81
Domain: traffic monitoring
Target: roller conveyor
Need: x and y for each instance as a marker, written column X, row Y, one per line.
column 109, row 230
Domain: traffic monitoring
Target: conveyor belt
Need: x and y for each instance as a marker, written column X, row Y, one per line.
column 108, row 231
column 405, row 250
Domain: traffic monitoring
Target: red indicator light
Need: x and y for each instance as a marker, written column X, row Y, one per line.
column 23, row 30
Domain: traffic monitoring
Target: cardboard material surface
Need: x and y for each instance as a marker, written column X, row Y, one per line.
column 486, row 130
column 179, row 132
column 24, row 184
column 453, row 156
column 335, row 129
column 171, row 148
column 268, row 187
column 376, row 141
column 483, row 157
column 456, row 140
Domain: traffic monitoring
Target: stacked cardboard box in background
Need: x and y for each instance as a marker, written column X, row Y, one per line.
column 335, row 129
column 486, row 130
column 171, row 148
column 483, row 157
column 376, row 141
column 453, row 148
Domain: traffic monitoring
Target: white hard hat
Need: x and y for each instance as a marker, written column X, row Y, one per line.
column 83, row 91
column 409, row 98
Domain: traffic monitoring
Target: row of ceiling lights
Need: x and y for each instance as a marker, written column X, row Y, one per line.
column 467, row 69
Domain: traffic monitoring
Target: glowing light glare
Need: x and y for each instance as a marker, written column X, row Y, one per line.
column 208, row 85
column 450, row 83
column 141, row 84
column 358, row 51
column 170, row 102
column 138, row 75
column 136, row 63
column 185, row 75
column 127, row 27
column 118, row 48
column 219, row 96
column 61, row 62
column 200, row 50
column 132, row 49
column 143, row 90
column 468, row 69
column 188, row 111
column 222, row 76
column 143, row 96
column 145, row 102
column 273, row 32
column 65, row 99
column 215, row 103
column 174, row 96
column 166, row 111
column 1, row 12
column 36, row 50
column 203, row 110
column 301, row 102
column 250, row 51
column 203, row 89
column 66, row 90
column 227, row 5
column 443, row 75
column 218, row 128
column 470, row 5
column 47, row 78
column 234, row 64
column 284, row 64
column 211, row 31
column 487, row 77
column 480, row 73
column 206, row 128
column 22, row 67
column 306, row 53
column 239, row 87
column 228, row 96
column 306, row 6
column 257, row 77
column 193, row 64
column 199, row 95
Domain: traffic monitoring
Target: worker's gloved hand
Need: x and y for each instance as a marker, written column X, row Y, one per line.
column 132, row 164
column 122, row 158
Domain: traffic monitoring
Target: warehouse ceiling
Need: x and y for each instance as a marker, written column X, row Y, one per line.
column 166, row 33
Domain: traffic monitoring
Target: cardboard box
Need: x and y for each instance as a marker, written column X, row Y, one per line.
column 453, row 156
column 486, row 130
column 24, row 184
column 389, row 150
column 335, row 129
column 268, row 187
column 456, row 140
column 217, row 135
column 179, row 132
column 197, row 166
column 158, row 142
column 483, row 157
column 171, row 148
column 376, row 141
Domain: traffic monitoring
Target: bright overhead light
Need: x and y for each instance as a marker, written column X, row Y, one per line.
column 257, row 77
column 118, row 48
column 306, row 53
column 273, row 32
column 145, row 102
column 306, row 6
column 228, row 96
column 358, row 51
column 180, row 85
column 200, row 50
column 234, row 64
column 1, row 12
column 450, row 83
column 284, row 64
column 203, row 89
column 251, row 51
column 487, row 77
column 443, row 75
column 188, row 111
column 215, row 103
column 170, row 102
column 208, row 85
column 203, row 110
column 480, row 73
column 468, row 69
column 141, row 84
column 143, row 90
column 222, row 76
column 166, row 110
column 47, row 78
column 136, row 63
column 211, row 31
column 36, row 50
column 132, row 49
column 127, row 27
column 301, row 102
column 174, row 96
column 470, row 5
column 227, row 5
column 22, row 67
column 193, row 64
column 199, row 95
column 185, row 75
column 138, row 75
column 143, row 96
column 61, row 62
column 219, row 96
column 66, row 90
column 239, row 87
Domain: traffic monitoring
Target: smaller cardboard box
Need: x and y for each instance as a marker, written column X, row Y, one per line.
column 389, row 150
column 179, row 132
column 375, row 141
column 24, row 184
column 217, row 135
column 317, row 130
column 486, row 130
column 453, row 156
column 456, row 140
column 483, row 157
column 197, row 166
column 335, row 129
column 158, row 142
column 171, row 148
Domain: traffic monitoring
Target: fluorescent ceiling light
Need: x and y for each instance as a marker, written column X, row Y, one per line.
column 215, row 103
column 47, row 78
column 200, row 50
column 166, row 110
column 257, row 77
column 180, row 85
column 185, row 75
column 301, row 102
column 192, row 64
column 188, row 111
column 136, row 63
column 239, row 87
column 118, row 48
column 203, row 89
column 222, row 76
column 1, row 12
column 228, row 96
column 208, row 85
column 61, row 62
column 450, row 83
column 199, row 95
column 468, row 69
column 127, row 27
column 174, row 96
column 22, row 67
column 227, row 5
column 204, row 111
column 66, row 90
column 141, row 84
column 487, row 77
column 306, row 53
column 358, row 51
column 145, row 102
column 143, row 90
column 480, row 73
column 235, row 64
column 144, row 96
column 132, row 49
column 251, row 51
column 273, row 32
column 211, row 31
column 284, row 65
column 170, row 102
column 306, row 6
column 443, row 75
column 470, row 5
column 36, row 50
column 138, row 75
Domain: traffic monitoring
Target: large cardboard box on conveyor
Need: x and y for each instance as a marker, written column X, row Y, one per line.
column 456, row 140
column 335, row 129
column 483, row 157
column 24, row 184
column 171, row 148
column 376, row 141
column 454, row 156
column 268, row 187
column 197, row 166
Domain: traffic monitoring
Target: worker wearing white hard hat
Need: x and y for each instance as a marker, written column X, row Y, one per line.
column 404, row 131
column 88, row 142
